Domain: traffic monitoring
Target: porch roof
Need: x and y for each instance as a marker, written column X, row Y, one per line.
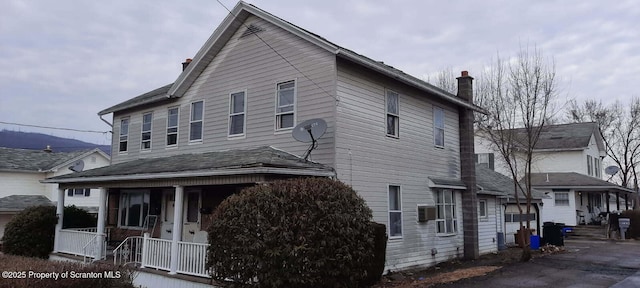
column 493, row 183
column 572, row 180
column 260, row 160
column 17, row 203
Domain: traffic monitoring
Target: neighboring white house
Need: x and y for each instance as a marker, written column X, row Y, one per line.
column 179, row 150
column 567, row 167
column 21, row 173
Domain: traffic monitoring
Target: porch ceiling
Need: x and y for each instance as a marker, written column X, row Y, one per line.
column 261, row 160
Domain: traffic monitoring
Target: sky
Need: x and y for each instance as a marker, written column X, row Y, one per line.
column 64, row 61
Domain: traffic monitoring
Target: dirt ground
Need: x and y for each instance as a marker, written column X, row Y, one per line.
column 458, row 269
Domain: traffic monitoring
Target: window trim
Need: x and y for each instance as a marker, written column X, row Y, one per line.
column 277, row 105
column 123, row 203
column 150, row 131
column 126, row 136
column 436, row 128
column 485, row 210
column 395, row 115
column 390, row 211
column 555, row 198
column 454, row 218
column 243, row 113
column 177, row 108
column 191, row 121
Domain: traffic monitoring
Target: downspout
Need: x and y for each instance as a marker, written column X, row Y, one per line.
column 105, row 121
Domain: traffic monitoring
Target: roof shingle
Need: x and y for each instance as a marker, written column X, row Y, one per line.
column 34, row 160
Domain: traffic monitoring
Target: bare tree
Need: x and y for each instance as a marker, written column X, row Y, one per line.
column 619, row 126
column 519, row 94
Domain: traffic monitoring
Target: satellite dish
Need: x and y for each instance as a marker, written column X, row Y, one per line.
column 611, row 170
column 310, row 130
column 77, row 167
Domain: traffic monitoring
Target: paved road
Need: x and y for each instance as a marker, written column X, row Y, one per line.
column 586, row 264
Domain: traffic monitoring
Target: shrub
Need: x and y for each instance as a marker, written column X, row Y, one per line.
column 376, row 266
column 31, row 232
column 122, row 277
column 634, row 228
column 311, row 232
column 75, row 217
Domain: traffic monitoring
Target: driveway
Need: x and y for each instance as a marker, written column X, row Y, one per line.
column 585, row 264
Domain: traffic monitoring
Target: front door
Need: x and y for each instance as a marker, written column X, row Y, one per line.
column 191, row 215
column 168, row 198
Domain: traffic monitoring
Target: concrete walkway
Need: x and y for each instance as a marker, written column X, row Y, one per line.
column 585, row 264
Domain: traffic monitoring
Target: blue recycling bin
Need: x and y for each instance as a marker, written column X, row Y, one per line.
column 535, row 242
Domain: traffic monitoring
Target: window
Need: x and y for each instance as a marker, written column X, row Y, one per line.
column 146, row 131
column 395, row 212
column 561, row 198
column 482, row 208
column 134, row 207
column 79, row 192
column 172, row 126
column 237, row 112
column 124, row 135
column 286, row 98
column 486, row 159
column 438, row 126
column 195, row 125
column 393, row 119
column 589, row 165
column 193, row 209
column 446, row 212
column 515, row 217
column 596, row 166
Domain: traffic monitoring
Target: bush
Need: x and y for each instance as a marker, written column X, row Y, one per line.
column 311, row 232
column 31, row 232
column 122, row 277
column 75, row 217
column 376, row 267
column 634, row 228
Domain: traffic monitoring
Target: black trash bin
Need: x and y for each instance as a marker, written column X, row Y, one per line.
column 560, row 227
column 552, row 233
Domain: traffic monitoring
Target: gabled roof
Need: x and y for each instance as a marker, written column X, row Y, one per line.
column 260, row 160
column 24, row 160
column 17, row 203
column 494, row 183
column 234, row 20
column 573, row 136
column 573, row 180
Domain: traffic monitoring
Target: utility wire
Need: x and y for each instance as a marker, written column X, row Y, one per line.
column 55, row 128
column 278, row 53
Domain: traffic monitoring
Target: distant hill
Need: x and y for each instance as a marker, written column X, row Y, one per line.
column 38, row 141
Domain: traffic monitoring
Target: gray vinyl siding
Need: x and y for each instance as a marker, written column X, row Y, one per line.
column 489, row 226
column 247, row 64
column 369, row 160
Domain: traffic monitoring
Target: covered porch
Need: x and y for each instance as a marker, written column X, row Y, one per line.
column 159, row 219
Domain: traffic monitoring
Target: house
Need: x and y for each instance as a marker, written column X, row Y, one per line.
column 567, row 167
column 21, row 173
column 226, row 123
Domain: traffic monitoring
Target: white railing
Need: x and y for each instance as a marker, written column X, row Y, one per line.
column 129, row 251
column 87, row 229
column 73, row 242
column 192, row 259
column 156, row 253
column 90, row 249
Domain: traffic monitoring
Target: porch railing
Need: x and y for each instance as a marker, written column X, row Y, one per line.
column 129, row 251
column 156, row 253
column 90, row 249
column 193, row 259
column 73, row 242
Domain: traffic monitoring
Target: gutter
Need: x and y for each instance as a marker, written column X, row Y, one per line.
column 105, row 121
column 171, row 175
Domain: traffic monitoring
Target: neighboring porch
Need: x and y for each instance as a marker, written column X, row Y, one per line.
column 592, row 207
column 159, row 220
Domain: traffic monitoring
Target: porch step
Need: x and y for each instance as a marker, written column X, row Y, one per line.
column 588, row 232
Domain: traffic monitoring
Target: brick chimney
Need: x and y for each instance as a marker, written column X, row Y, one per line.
column 186, row 63
column 468, row 169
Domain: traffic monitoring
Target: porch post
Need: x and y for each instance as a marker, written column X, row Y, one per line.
column 60, row 214
column 177, row 228
column 102, row 212
column 626, row 201
column 607, row 201
column 618, row 201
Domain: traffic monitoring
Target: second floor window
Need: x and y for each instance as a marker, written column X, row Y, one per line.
column 438, row 126
column 237, row 112
column 596, row 166
column 286, row 97
column 124, row 135
column 172, row 126
column 393, row 114
column 486, row 159
column 147, row 119
column 589, row 165
column 195, row 125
